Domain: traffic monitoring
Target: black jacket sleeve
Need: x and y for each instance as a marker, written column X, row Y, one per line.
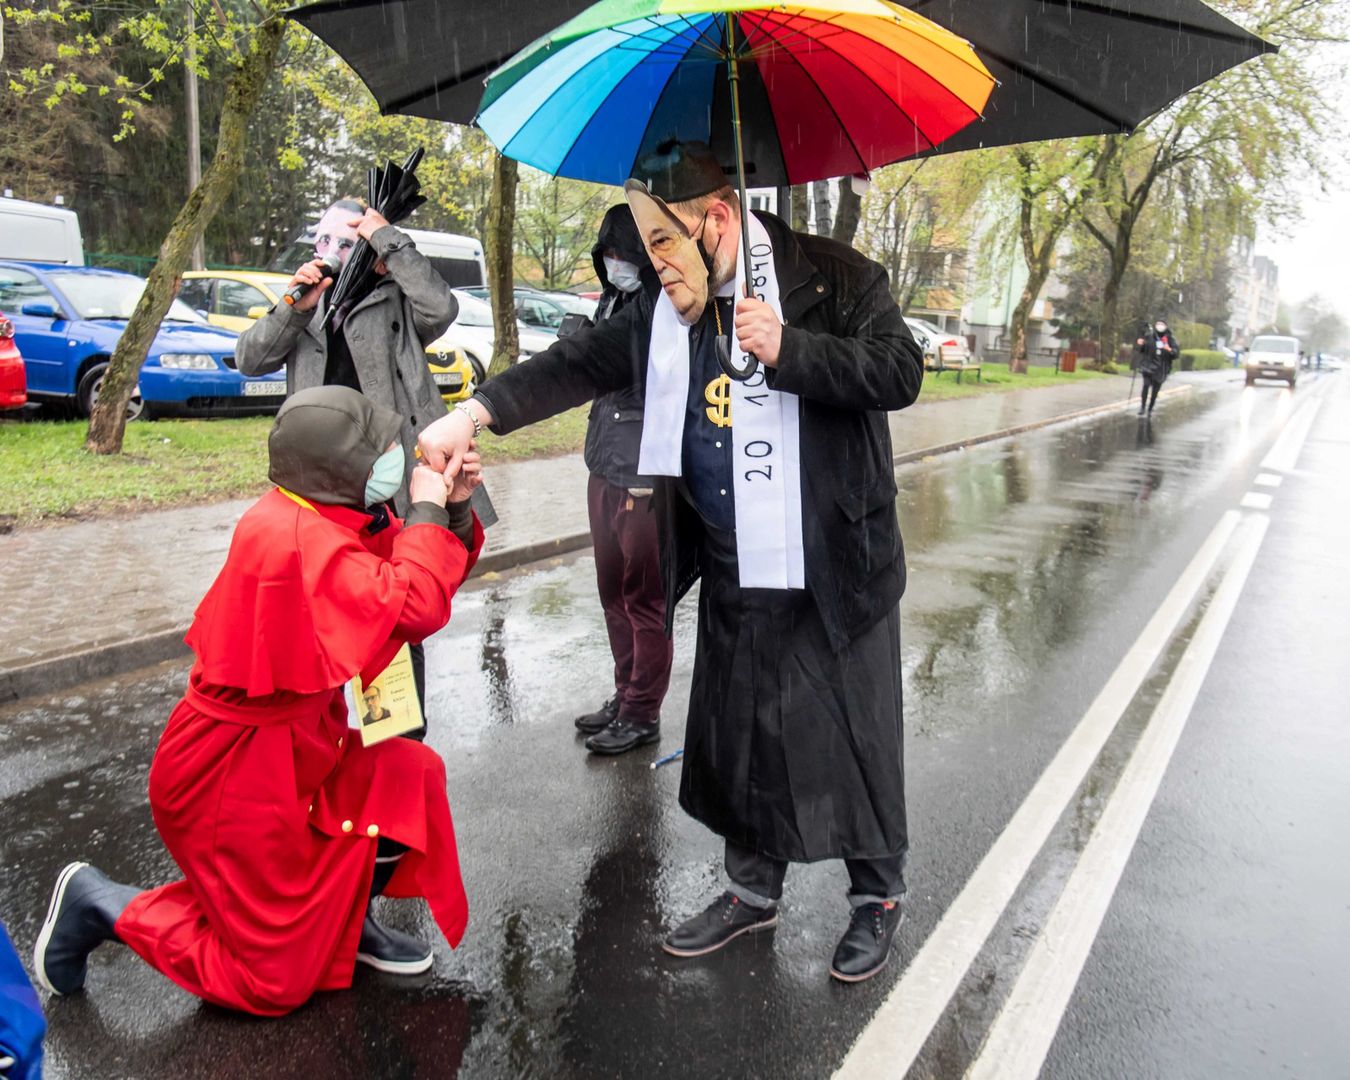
column 569, row 372
column 873, row 363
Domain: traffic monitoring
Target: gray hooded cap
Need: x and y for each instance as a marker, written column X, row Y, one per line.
column 325, row 441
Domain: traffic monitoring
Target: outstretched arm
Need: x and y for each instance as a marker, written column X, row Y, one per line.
column 573, row 370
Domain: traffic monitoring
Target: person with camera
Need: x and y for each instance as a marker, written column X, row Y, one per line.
column 1155, row 352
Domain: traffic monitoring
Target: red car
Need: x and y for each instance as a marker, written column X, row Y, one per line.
column 13, row 385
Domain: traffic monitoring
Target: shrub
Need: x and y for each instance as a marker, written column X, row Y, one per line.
column 1193, row 335
column 1204, row 360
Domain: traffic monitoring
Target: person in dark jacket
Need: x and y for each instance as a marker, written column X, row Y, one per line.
column 1155, row 352
column 623, row 526
column 779, row 492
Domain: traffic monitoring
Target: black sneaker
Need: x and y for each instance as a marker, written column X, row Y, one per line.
column 85, row 906
column 865, row 947
column 597, row 721
column 387, row 949
column 721, row 922
column 624, row 735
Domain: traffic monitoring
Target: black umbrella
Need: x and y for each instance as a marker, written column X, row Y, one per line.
column 395, row 192
column 1066, row 67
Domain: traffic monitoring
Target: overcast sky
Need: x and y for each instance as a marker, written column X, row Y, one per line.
column 1314, row 256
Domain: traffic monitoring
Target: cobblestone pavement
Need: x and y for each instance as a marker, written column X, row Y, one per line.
column 94, row 584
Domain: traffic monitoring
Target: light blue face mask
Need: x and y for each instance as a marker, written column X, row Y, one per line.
column 386, row 477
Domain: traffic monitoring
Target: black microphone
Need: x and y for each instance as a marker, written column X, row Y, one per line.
column 330, row 267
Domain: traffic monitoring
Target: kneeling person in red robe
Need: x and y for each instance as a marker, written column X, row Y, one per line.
column 283, row 824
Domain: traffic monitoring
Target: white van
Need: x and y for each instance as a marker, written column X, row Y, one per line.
column 458, row 259
column 1273, row 356
column 35, row 232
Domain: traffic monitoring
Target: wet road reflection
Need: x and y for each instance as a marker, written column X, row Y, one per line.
column 1032, row 563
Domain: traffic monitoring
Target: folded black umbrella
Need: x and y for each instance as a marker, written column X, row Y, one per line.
column 1066, row 67
column 395, row 192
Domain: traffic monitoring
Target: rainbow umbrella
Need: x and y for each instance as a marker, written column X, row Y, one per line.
column 807, row 91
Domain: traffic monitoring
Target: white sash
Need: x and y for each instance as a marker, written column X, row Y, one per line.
column 765, row 433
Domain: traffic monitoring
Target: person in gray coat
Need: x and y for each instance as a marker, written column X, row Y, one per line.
column 378, row 346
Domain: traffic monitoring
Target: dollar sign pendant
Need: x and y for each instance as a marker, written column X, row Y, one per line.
column 718, row 395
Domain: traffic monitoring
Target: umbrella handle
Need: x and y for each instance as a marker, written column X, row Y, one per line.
column 734, row 79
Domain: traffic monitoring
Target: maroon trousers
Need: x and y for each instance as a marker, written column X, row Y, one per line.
column 628, row 572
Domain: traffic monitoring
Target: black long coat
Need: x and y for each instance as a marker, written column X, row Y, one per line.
column 846, row 353
column 1156, row 355
column 794, row 742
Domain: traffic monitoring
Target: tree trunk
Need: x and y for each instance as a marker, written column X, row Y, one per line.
column 849, row 212
column 820, row 195
column 801, row 208
column 1018, row 361
column 500, row 245
column 108, row 422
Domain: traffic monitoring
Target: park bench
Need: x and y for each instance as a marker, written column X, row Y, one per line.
column 949, row 359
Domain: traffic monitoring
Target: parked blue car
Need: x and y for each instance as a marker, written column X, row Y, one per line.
column 67, row 320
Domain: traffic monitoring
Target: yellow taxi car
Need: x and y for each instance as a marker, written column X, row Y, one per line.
column 233, row 299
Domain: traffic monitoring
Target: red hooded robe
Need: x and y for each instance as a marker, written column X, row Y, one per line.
column 269, row 804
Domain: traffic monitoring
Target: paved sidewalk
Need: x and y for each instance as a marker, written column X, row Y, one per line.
column 102, row 596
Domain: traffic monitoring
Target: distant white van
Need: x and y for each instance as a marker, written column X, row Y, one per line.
column 458, row 259
column 35, row 232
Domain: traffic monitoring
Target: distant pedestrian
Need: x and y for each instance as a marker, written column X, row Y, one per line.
column 623, row 524
column 1155, row 353
column 282, row 823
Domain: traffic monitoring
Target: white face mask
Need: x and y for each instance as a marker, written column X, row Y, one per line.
column 622, row 274
column 1160, row 327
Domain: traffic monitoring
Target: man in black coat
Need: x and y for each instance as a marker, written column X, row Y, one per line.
column 619, row 501
column 1156, row 351
column 793, row 749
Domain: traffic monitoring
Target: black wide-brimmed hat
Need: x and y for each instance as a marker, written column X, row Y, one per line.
column 676, row 172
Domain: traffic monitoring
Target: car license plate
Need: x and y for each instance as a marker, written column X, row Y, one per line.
column 265, row 389
column 448, row 378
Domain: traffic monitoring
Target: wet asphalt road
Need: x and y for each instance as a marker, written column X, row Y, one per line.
column 1033, row 566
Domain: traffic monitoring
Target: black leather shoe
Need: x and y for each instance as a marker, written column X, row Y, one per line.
column 866, row 945
column 593, row 722
column 387, row 949
column 622, row 736
column 721, row 922
column 84, row 907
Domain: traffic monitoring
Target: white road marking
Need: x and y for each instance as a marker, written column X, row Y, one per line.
column 1017, row 1044
column 1257, row 500
column 896, row 1033
column 1270, row 480
column 1283, row 455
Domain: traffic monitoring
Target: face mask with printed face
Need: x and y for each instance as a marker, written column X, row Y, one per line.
column 386, row 477
column 622, row 274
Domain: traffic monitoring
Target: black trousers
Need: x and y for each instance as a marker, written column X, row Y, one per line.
column 1150, row 386
column 761, row 876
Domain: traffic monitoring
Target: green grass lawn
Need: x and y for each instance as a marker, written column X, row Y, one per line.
column 996, row 379
column 46, row 476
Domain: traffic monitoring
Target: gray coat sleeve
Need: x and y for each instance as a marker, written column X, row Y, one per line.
column 268, row 344
column 433, row 305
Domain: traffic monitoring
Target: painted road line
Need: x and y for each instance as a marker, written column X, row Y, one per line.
column 1284, row 454
column 1257, row 500
column 1270, row 480
column 896, row 1033
column 1021, row 1036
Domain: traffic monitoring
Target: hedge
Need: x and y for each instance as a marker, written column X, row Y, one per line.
column 1204, row 360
